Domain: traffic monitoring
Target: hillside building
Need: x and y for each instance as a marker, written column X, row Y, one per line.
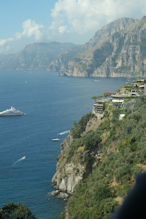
column 118, row 103
column 144, row 89
column 98, row 107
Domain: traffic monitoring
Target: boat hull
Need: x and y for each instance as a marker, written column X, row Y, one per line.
column 11, row 112
column 3, row 115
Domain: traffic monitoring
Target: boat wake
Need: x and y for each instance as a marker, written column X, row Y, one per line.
column 19, row 160
column 65, row 132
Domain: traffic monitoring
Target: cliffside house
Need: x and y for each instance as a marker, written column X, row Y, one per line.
column 99, row 107
column 127, row 95
column 145, row 89
column 134, row 93
column 118, row 103
column 139, row 83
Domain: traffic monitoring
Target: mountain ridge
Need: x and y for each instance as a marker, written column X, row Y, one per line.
column 116, row 50
column 120, row 53
column 35, row 56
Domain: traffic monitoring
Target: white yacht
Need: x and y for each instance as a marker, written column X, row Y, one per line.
column 11, row 112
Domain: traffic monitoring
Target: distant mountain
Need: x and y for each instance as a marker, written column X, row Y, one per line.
column 36, row 56
column 117, row 50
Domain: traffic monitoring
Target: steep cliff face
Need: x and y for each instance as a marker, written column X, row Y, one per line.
column 116, row 154
column 107, row 31
column 67, row 177
column 36, row 56
column 83, row 148
column 118, row 50
column 68, row 174
column 72, row 167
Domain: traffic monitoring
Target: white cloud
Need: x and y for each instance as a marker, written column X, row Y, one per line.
column 30, row 29
column 82, row 16
column 4, row 41
column 76, row 20
column 62, row 29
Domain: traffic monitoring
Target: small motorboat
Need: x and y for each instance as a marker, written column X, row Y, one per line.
column 55, row 139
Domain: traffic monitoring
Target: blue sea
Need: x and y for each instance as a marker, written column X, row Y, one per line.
column 51, row 104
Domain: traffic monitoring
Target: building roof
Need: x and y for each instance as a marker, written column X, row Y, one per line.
column 117, row 101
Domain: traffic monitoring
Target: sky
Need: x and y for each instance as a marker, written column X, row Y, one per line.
column 28, row 21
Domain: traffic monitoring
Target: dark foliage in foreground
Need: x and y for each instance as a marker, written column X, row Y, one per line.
column 134, row 204
column 15, row 211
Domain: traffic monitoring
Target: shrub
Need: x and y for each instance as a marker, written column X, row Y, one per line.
column 79, row 128
column 15, row 211
column 123, row 157
column 91, row 140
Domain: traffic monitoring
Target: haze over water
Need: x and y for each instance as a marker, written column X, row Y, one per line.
column 27, row 154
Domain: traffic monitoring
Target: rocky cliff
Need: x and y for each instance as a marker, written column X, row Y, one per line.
column 36, row 56
column 73, row 168
column 69, row 172
column 100, row 159
column 117, row 50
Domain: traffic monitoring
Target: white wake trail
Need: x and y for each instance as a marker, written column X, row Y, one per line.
column 65, row 132
column 19, row 160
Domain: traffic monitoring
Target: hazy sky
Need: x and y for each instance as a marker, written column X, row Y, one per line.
column 27, row 21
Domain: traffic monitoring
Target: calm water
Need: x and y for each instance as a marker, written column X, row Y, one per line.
column 51, row 104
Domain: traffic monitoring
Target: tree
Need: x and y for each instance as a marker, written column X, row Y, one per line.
column 16, row 211
column 95, row 98
column 91, row 140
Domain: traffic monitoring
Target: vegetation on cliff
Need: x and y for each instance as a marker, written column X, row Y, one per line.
column 121, row 144
column 79, row 127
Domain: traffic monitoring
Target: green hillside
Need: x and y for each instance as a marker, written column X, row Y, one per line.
column 122, row 148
